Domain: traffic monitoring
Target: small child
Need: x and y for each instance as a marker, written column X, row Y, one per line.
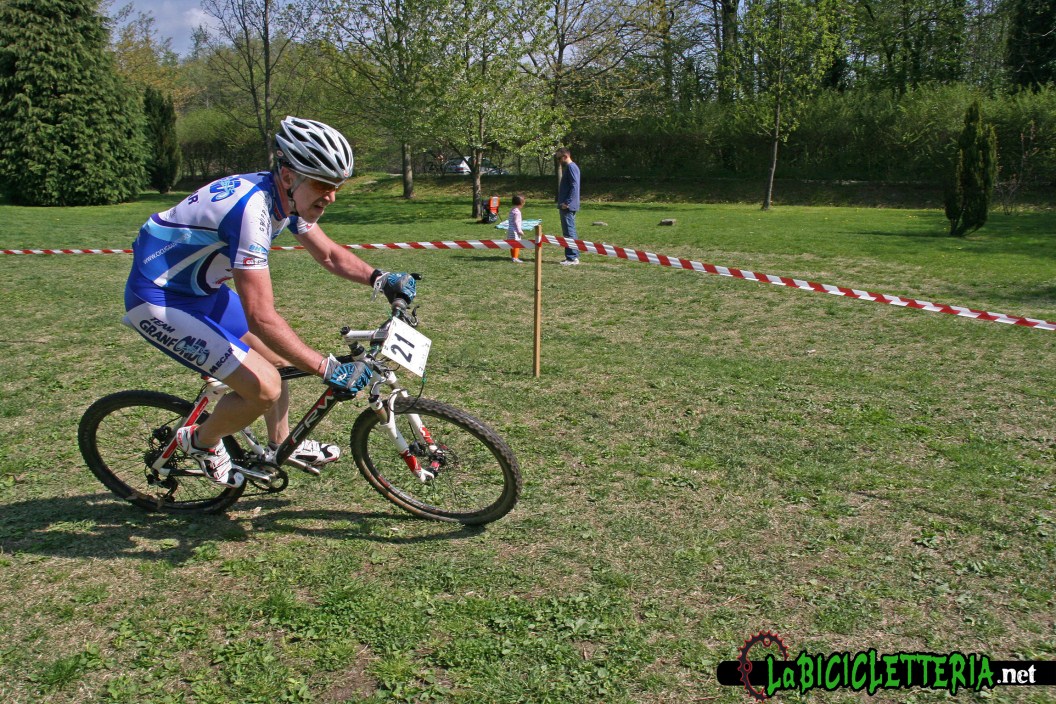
column 513, row 230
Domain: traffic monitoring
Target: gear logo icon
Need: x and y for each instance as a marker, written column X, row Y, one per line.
column 767, row 640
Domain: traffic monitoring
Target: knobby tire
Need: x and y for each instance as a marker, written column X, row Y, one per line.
column 119, row 433
column 478, row 483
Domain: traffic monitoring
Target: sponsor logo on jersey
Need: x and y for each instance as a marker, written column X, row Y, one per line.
column 158, row 331
column 254, row 261
column 225, row 188
column 175, row 243
column 192, row 349
column 220, row 362
column 258, row 249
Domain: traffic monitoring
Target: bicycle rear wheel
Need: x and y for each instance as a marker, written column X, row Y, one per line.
column 121, row 435
column 477, row 479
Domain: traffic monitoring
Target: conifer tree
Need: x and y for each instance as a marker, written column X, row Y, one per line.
column 968, row 197
column 164, row 163
column 73, row 133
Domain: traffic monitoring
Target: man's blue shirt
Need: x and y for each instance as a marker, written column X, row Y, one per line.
column 568, row 191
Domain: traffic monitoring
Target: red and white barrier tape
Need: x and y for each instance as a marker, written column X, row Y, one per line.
column 650, row 258
column 447, row 244
column 608, row 250
column 65, row 251
column 452, row 244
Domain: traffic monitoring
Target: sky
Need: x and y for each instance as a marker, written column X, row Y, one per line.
column 173, row 19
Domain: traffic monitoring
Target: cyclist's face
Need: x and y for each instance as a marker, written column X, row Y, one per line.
column 312, row 196
column 322, row 189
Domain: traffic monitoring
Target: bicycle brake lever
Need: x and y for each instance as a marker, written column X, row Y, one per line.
column 411, row 318
column 399, row 310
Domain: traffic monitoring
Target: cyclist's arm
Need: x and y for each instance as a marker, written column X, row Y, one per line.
column 334, row 258
column 258, row 301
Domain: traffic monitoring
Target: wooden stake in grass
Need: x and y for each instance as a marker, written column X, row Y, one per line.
column 538, row 300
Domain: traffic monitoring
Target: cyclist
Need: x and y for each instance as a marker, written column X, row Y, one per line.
column 176, row 298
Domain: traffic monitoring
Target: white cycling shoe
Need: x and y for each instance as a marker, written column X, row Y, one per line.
column 215, row 462
column 314, row 452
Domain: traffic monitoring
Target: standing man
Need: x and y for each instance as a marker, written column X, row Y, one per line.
column 568, row 202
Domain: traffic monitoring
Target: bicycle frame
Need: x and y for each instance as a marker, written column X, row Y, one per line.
column 382, row 404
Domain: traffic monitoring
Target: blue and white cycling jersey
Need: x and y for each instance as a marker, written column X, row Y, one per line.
column 175, row 297
column 228, row 224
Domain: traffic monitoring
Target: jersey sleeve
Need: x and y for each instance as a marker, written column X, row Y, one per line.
column 250, row 235
column 299, row 226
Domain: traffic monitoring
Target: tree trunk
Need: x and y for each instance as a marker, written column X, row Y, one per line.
column 727, row 61
column 478, row 190
column 768, row 199
column 408, row 173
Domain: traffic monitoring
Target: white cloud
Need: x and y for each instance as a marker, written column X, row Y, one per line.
column 175, row 20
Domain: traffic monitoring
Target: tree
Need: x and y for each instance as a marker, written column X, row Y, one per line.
column 727, row 31
column 968, row 197
column 903, row 44
column 489, row 99
column 164, row 163
column 574, row 51
column 789, row 45
column 385, row 57
column 255, row 51
column 1031, row 57
column 72, row 131
column 143, row 58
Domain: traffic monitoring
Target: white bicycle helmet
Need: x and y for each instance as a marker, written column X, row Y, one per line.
column 313, row 149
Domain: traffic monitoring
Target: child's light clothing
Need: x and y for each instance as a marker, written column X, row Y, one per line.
column 513, row 230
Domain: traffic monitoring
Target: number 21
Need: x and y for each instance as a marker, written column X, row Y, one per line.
column 406, row 355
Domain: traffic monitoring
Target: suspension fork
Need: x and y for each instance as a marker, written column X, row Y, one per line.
column 385, row 408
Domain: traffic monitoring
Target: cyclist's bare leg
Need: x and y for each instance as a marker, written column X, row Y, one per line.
column 277, row 418
column 255, row 388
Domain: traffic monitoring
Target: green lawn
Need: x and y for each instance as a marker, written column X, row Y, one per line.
column 704, row 458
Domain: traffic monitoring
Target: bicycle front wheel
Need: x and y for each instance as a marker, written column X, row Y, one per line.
column 121, row 436
column 477, row 479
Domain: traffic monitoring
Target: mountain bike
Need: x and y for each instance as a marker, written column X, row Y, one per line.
column 426, row 457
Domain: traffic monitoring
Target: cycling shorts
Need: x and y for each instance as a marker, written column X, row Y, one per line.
column 200, row 332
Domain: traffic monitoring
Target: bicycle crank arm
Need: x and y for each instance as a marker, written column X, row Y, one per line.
column 273, row 481
column 303, row 466
column 253, row 473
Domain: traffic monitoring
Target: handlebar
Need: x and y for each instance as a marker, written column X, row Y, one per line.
column 399, row 310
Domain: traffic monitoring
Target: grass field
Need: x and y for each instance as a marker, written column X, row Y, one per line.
column 704, row 458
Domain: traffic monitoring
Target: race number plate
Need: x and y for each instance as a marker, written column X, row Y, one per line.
column 407, row 347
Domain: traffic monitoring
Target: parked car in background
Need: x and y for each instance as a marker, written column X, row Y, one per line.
column 489, row 169
column 460, row 166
